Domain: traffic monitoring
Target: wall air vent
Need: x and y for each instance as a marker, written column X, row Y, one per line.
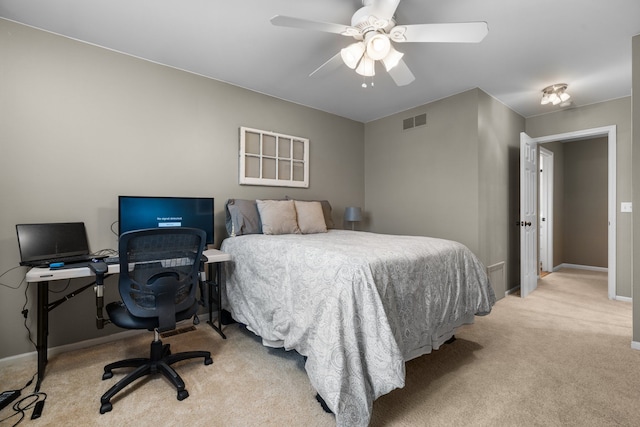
column 421, row 119
column 414, row 122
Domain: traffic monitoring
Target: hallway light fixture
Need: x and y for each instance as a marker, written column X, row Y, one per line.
column 556, row 95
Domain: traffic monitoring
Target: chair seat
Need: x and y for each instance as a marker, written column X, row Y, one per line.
column 119, row 316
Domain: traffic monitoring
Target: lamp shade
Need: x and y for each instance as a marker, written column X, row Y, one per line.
column 353, row 214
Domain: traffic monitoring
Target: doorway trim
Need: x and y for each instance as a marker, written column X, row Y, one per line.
column 610, row 133
column 546, row 191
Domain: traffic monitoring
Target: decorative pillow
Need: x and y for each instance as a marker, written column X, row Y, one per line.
column 278, row 216
column 242, row 217
column 310, row 217
column 326, row 211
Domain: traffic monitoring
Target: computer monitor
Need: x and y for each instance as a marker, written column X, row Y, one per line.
column 139, row 212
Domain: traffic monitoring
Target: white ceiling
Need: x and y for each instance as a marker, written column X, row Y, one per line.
column 531, row 44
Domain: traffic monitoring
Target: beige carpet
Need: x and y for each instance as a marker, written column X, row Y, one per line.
column 560, row 357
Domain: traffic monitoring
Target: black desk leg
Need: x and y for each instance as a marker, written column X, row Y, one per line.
column 43, row 330
column 215, row 285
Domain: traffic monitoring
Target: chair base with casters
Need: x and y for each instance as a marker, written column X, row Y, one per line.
column 160, row 360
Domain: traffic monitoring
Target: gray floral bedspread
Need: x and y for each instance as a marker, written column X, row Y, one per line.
column 357, row 304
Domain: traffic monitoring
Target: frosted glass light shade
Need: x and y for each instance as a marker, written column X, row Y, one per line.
column 366, row 67
column 392, row 59
column 351, row 54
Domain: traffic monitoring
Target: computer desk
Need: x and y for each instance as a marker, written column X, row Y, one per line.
column 42, row 276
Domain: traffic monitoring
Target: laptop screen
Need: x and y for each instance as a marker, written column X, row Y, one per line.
column 54, row 240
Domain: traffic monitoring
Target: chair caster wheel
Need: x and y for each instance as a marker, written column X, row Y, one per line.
column 107, row 375
column 183, row 394
column 208, row 361
column 106, row 407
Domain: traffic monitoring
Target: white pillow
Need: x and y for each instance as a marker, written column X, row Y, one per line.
column 310, row 217
column 278, row 216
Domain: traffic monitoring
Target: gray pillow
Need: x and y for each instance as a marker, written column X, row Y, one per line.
column 242, row 217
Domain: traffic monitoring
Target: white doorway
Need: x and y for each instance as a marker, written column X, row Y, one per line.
column 546, row 211
column 528, row 257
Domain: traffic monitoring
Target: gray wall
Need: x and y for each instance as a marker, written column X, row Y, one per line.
column 580, row 230
column 81, row 125
column 585, row 206
column 455, row 178
column 616, row 112
column 424, row 180
column 499, row 180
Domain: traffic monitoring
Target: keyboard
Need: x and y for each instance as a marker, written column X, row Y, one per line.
column 68, row 260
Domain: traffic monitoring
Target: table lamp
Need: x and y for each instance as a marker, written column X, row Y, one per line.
column 352, row 214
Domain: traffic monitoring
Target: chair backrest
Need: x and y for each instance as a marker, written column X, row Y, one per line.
column 159, row 272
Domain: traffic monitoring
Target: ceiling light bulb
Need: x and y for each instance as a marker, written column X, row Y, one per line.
column 392, row 59
column 378, row 46
column 564, row 96
column 545, row 99
column 555, row 99
column 351, row 54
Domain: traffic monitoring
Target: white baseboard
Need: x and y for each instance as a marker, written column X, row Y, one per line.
column 580, row 267
column 635, row 345
column 54, row 351
column 512, row 290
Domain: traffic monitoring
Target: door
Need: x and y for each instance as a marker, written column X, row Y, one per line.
column 528, row 214
column 545, row 211
column 542, row 234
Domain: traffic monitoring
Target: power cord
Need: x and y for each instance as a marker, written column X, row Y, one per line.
column 33, row 400
column 25, row 314
column 19, row 284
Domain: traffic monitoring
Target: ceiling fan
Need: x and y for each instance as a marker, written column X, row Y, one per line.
column 374, row 28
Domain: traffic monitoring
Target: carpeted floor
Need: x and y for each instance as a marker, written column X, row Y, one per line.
column 560, row 357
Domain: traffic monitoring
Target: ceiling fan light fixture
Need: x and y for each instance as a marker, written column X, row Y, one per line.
column 555, row 94
column 366, row 67
column 352, row 54
column 378, row 46
column 392, row 59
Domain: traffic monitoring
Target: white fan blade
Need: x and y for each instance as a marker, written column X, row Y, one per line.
column 466, row 32
column 306, row 24
column 384, row 9
column 401, row 74
column 331, row 65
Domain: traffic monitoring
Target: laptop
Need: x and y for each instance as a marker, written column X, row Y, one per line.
column 42, row 245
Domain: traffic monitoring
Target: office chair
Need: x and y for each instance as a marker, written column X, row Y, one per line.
column 159, row 273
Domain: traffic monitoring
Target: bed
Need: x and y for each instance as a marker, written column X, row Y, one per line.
column 357, row 305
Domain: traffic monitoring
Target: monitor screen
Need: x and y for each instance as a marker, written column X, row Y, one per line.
column 138, row 212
